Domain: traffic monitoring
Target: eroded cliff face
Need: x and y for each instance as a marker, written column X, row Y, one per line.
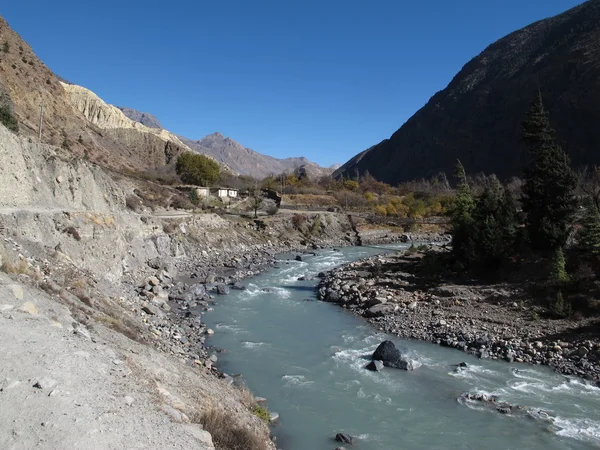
column 106, row 116
column 39, row 177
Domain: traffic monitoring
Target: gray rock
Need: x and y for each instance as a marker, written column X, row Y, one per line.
column 344, row 438
column 378, row 310
column 273, row 417
column 197, row 290
column 44, row 383
column 151, row 310
column 222, row 289
column 391, row 357
column 238, row 286
column 375, row 366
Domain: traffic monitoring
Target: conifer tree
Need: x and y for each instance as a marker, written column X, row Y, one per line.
column 548, row 199
column 495, row 225
column 462, row 218
column 588, row 237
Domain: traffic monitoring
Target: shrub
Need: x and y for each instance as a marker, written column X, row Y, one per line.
column 181, row 202
column 8, row 119
column 270, row 207
column 559, row 306
column 261, row 412
column 72, row 231
column 5, row 47
column 315, row 227
column 227, row 434
column 197, row 169
column 298, row 220
column 133, row 203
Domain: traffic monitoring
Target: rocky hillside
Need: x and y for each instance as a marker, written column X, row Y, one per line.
column 248, row 162
column 75, row 118
column 477, row 117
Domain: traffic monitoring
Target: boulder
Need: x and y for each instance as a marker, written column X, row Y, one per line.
column 391, row 357
column 197, row 290
column 222, row 289
column 344, row 438
column 238, row 286
column 375, row 365
column 379, row 310
column 151, row 310
column 298, row 258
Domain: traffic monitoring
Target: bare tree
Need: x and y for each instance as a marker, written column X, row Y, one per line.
column 256, row 201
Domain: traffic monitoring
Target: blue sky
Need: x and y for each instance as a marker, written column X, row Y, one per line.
column 322, row 79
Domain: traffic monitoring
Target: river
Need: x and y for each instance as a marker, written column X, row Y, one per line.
column 307, row 358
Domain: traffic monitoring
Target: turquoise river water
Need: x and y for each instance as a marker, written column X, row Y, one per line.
column 307, row 358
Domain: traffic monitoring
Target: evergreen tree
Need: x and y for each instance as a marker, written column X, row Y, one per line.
column 462, row 218
column 548, row 199
column 588, row 237
column 558, row 270
column 495, row 225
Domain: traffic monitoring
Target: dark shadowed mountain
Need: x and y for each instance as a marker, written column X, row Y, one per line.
column 144, row 118
column 477, row 117
column 246, row 161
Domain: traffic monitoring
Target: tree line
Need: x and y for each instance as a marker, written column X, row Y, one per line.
column 549, row 224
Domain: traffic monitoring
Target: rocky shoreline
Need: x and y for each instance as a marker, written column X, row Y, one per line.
column 490, row 321
column 173, row 300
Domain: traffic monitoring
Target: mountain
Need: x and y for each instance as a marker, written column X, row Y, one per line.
column 144, row 118
column 477, row 117
column 246, row 161
column 119, row 138
column 74, row 117
column 240, row 159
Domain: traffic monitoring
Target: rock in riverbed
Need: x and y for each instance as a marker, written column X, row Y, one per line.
column 375, row 366
column 345, row 438
column 391, row 357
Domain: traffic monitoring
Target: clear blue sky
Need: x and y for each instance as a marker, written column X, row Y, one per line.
column 323, row 79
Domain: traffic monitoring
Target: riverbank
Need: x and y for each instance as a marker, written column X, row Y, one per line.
column 142, row 281
column 490, row 321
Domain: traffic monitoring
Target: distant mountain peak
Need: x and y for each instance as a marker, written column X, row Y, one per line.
column 146, row 119
column 246, row 161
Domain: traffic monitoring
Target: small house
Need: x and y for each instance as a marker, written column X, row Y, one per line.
column 225, row 194
column 202, row 192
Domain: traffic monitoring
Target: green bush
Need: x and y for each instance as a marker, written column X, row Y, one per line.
column 262, row 413
column 197, row 169
column 8, row 119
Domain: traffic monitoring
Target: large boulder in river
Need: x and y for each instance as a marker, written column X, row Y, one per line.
column 391, row 357
column 375, row 365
